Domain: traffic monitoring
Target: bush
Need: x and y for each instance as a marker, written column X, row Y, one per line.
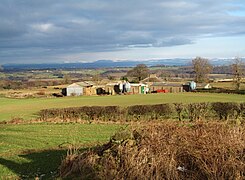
column 170, row 150
column 86, row 113
column 224, row 110
column 194, row 111
column 140, row 110
column 151, row 111
column 242, row 106
column 180, row 108
column 163, row 110
column 197, row 111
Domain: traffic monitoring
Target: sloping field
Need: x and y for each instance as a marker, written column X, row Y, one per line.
column 167, row 150
column 26, row 108
column 36, row 150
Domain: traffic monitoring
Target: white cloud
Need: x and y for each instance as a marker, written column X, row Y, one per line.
column 108, row 26
column 44, row 27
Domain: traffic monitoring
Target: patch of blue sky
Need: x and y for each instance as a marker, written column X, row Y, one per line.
column 237, row 13
column 238, row 8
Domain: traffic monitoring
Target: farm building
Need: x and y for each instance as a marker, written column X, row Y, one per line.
column 79, row 88
column 190, row 86
column 203, row 86
column 126, row 87
column 151, row 79
column 164, row 87
column 139, row 88
column 73, row 90
column 112, row 88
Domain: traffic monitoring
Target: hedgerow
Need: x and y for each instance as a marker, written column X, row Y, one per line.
column 192, row 112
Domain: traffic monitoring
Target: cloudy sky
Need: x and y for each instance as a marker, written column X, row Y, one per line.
column 41, row 31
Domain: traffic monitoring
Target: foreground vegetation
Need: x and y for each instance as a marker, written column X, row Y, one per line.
column 36, row 150
column 170, row 150
column 28, row 108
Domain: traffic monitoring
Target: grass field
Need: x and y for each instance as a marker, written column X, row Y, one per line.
column 33, row 150
column 26, row 108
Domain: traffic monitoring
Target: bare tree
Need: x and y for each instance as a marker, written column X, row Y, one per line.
column 67, row 79
column 202, row 68
column 141, row 71
column 237, row 71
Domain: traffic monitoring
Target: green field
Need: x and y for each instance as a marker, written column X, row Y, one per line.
column 33, row 150
column 27, row 108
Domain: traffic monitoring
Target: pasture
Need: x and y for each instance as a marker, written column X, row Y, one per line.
column 31, row 150
column 27, row 108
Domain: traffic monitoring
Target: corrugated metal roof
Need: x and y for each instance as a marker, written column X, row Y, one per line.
column 152, row 78
column 85, row 83
column 81, row 84
column 74, row 85
column 137, row 84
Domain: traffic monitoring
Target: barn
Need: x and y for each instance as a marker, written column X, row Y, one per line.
column 151, row 79
column 112, row 88
column 166, row 87
column 79, row 88
column 73, row 90
column 129, row 88
column 139, row 88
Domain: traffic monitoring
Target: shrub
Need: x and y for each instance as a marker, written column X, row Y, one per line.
column 197, row 111
column 162, row 110
column 224, row 110
column 194, row 111
column 242, row 106
column 180, row 108
column 170, row 150
column 86, row 112
column 140, row 110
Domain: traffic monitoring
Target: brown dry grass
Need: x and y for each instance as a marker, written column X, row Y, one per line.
column 169, row 150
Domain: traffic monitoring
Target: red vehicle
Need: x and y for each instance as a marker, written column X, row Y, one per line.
column 162, row 91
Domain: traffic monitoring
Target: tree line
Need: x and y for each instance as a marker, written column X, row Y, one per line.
column 201, row 68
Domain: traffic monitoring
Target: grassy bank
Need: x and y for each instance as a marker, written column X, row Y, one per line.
column 33, row 150
column 26, row 108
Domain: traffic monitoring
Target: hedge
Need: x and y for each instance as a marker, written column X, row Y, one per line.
column 180, row 111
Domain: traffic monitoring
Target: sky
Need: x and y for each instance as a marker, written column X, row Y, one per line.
column 47, row 31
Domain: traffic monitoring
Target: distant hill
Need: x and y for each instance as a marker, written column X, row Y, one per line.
column 110, row 64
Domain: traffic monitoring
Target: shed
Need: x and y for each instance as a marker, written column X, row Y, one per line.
column 165, row 87
column 74, row 90
column 151, row 79
column 112, row 88
column 139, row 88
column 79, row 88
column 88, row 88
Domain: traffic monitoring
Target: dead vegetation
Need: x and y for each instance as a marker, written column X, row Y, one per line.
column 169, row 150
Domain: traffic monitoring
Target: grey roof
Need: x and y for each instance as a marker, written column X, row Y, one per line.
column 74, row 85
column 152, row 78
column 81, row 84
column 85, row 83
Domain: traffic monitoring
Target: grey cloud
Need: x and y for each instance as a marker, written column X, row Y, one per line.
column 51, row 26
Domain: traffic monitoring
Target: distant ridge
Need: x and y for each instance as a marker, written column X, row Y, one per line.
column 110, row 64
